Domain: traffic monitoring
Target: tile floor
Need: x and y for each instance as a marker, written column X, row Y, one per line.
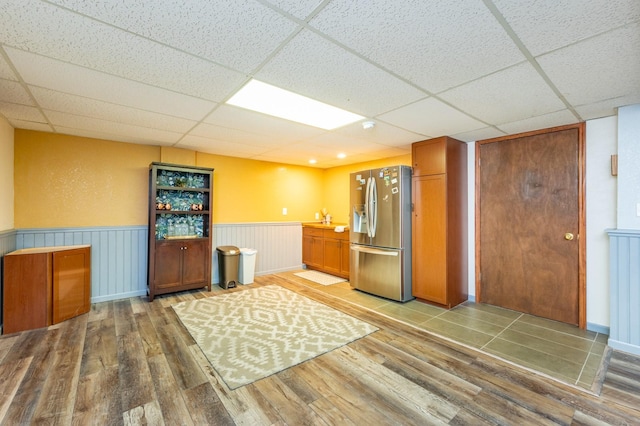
column 559, row 350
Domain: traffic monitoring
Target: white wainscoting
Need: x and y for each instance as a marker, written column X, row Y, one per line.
column 279, row 244
column 625, row 290
column 119, row 254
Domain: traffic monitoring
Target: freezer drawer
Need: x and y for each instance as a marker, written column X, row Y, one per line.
column 383, row 272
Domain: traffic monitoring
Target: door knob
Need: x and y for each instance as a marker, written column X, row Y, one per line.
column 568, row 236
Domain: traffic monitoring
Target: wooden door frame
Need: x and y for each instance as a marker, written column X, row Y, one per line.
column 582, row 237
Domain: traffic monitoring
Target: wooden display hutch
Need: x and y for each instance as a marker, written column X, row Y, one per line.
column 45, row 285
column 180, row 203
column 439, row 225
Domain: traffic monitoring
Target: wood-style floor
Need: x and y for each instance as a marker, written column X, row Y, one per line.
column 132, row 362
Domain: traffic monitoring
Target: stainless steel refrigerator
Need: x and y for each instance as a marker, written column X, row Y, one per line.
column 380, row 232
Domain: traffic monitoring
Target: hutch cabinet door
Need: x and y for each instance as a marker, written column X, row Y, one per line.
column 194, row 262
column 168, row 264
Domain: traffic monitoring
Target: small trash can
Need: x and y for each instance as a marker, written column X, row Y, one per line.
column 228, row 258
column 247, row 265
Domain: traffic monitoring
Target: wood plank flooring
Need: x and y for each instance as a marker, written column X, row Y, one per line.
column 132, row 362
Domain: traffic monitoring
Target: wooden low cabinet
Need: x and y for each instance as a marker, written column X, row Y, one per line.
column 181, row 265
column 44, row 286
column 326, row 250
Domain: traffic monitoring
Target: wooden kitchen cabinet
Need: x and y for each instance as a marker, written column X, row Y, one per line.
column 312, row 248
column 326, row 250
column 44, row 286
column 439, row 221
column 180, row 204
column 345, row 250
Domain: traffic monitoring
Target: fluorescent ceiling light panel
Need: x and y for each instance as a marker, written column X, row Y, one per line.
column 271, row 100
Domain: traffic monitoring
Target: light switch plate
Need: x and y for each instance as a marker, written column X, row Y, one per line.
column 284, row 211
column 638, row 209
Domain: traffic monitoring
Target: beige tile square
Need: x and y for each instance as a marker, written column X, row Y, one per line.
column 558, row 326
column 497, row 315
column 545, row 346
column 473, row 322
column 540, row 361
column 457, row 332
column 404, row 314
column 551, row 335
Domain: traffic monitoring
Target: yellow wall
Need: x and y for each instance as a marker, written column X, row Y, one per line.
column 336, row 184
column 69, row 181
column 256, row 191
column 6, row 175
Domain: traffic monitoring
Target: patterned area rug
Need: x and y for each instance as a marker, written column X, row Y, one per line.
column 251, row 334
column 319, row 277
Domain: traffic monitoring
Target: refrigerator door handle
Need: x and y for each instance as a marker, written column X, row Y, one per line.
column 374, row 251
column 373, row 207
column 367, row 210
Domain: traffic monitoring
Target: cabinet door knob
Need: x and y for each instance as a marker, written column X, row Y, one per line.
column 568, row 236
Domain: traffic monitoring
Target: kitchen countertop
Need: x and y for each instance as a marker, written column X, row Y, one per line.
column 320, row 225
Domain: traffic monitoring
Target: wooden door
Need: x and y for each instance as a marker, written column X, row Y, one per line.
column 531, row 223
column 429, row 234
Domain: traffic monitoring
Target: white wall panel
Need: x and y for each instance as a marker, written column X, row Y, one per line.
column 279, row 244
column 119, row 254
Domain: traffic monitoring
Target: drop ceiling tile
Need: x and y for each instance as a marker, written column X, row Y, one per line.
column 64, row 120
column 479, row 134
column 6, row 73
column 432, row 118
column 88, row 83
column 435, row 44
column 254, row 122
column 95, row 134
column 607, row 107
column 340, row 143
column 298, row 8
column 219, row 147
column 21, row 112
column 276, row 158
column 382, row 133
column 29, row 125
column 39, row 27
column 558, row 118
column 12, row 91
column 597, row 69
column 547, row 25
column 71, row 104
column 237, row 34
column 314, row 67
column 240, row 136
column 512, row 94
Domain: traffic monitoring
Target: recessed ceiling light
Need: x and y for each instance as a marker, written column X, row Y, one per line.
column 271, row 100
column 313, row 161
column 342, row 155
